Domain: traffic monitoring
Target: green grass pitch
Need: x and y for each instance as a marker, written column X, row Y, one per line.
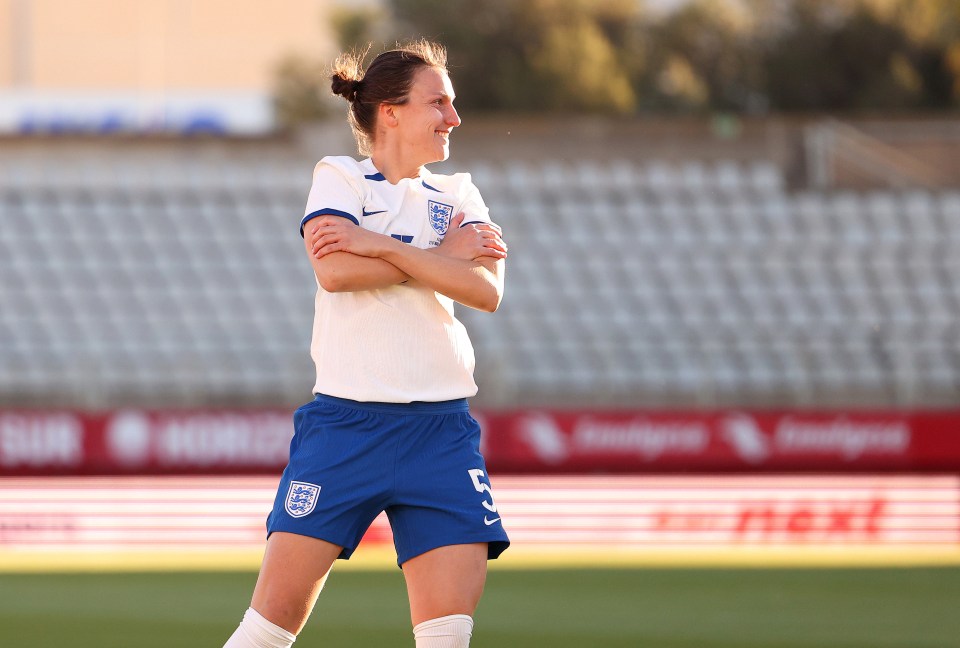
column 615, row 608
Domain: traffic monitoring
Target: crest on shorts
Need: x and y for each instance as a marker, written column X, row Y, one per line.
column 301, row 498
column 439, row 216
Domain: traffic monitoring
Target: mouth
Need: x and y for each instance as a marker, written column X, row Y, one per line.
column 444, row 135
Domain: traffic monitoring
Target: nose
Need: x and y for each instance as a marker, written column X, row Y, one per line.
column 452, row 118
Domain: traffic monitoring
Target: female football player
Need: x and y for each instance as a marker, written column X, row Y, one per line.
column 393, row 247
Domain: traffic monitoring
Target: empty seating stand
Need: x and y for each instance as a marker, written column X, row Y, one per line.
column 712, row 285
column 702, row 284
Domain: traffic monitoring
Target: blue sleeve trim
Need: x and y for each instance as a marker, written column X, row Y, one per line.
column 473, row 223
column 327, row 212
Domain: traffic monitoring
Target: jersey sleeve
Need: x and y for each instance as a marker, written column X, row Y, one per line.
column 472, row 205
column 332, row 194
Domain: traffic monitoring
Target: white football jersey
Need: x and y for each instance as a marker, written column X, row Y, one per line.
column 398, row 344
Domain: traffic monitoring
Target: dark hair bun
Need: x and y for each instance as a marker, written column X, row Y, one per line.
column 346, row 88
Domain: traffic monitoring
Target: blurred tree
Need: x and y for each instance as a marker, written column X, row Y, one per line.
column 614, row 57
column 932, row 45
column 356, row 29
column 579, row 69
column 842, row 57
column 301, row 91
column 507, row 55
column 813, row 42
column 701, row 58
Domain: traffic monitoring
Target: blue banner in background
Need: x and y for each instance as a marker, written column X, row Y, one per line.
column 52, row 113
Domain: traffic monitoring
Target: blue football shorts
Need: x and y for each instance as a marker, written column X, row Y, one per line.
column 419, row 462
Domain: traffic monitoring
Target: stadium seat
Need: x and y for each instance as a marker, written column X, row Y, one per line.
column 728, row 178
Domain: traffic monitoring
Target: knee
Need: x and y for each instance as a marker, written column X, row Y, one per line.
column 256, row 631
column 452, row 631
column 288, row 614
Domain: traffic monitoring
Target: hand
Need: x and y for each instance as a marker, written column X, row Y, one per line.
column 472, row 241
column 337, row 234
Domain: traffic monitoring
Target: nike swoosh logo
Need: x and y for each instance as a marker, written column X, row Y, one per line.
column 489, row 522
column 366, row 213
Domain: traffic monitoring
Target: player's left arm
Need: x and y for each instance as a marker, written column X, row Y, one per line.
column 477, row 283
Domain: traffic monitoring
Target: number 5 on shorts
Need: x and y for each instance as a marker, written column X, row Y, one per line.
column 475, row 475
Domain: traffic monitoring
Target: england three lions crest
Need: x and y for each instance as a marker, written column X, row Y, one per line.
column 439, row 216
column 301, row 498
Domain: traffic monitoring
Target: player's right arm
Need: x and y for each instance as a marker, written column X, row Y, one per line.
column 333, row 195
column 346, row 272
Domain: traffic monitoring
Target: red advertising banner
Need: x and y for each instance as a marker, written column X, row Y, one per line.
column 579, row 441
column 257, row 441
column 144, row 442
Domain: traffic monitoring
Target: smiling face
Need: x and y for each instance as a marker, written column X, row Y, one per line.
column 426, row 119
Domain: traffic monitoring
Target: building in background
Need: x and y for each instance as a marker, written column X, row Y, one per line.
column 149, row 65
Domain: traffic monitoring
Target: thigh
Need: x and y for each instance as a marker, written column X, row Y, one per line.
column 443, row 494
column 447, row 580
column 294, row 570
column 338, row 478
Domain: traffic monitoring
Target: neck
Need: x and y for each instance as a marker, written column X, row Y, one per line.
column 393, row 166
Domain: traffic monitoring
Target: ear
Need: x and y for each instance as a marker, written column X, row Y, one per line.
column 388, row 115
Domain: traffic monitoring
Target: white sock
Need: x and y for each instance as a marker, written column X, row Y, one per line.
column 257, row 632
column 445, row 632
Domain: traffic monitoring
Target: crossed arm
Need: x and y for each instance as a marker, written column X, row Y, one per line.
column 467, row 266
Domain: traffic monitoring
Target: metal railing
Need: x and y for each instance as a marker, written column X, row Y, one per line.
column 832, row 146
